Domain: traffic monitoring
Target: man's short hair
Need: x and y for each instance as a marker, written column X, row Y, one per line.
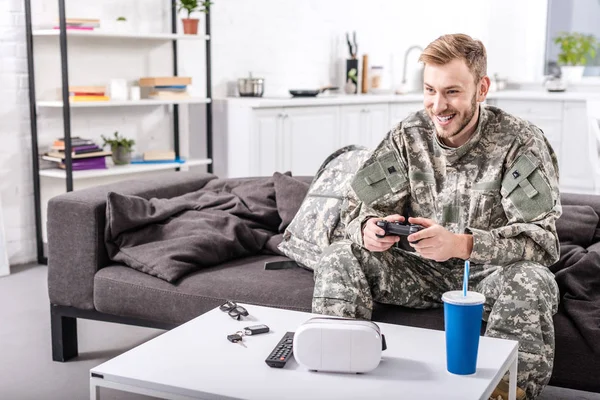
column 457, row 46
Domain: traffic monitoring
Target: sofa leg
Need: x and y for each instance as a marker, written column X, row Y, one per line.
column 64, row 336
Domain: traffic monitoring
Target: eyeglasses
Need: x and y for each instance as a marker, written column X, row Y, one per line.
column 233, row 310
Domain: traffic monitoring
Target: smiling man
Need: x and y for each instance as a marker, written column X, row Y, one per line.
column 484, row 184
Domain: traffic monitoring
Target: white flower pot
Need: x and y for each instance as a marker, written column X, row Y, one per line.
column 572, row 73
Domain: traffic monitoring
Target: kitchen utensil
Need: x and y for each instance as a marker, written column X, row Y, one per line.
column 251, row 87
column 310, row 92
column 352, row 47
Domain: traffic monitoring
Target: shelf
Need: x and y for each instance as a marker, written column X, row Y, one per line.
column 119, row 103
column 120, row 35
column 121, row 169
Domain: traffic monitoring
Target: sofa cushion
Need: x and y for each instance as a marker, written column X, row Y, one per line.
column 577, row 225
column 575, row 364
column 317, row 222
column 289, row 194
column 123, row 291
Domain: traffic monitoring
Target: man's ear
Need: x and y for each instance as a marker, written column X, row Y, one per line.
column 483, row 88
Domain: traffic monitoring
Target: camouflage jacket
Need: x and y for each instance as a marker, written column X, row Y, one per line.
column 501, row 186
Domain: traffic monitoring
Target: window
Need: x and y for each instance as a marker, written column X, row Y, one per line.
column 572, row 16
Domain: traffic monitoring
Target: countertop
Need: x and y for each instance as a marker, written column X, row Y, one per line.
column 331, row 99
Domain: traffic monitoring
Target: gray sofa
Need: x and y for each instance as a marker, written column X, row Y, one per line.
column 84, row 283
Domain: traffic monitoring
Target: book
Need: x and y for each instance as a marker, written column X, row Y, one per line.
column 61, row 147
column 171, row 87
column 139, row 160
column 75, row 141
column 86, row 94
column 92, row 149
column 80, row 165
column 61, row 155
column 157, row 155
column 166, row 95
column 88, row 98
column 88, row 89
column 165, row 81
column 77, row 28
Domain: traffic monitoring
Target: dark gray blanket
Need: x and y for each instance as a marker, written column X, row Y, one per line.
column 169, row 238
column 578, row 271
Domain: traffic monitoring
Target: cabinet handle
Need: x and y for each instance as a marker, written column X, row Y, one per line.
column 280, row 115
column 285, row 116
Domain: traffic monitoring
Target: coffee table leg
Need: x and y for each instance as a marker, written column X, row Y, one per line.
column 94, row 390
column 512, row 379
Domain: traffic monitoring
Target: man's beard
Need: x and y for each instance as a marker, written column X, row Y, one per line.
column 463, row 123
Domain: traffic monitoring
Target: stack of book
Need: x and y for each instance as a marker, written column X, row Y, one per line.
column 81, row 24
column 87, row 93
column 85, row 154
column 166, row 88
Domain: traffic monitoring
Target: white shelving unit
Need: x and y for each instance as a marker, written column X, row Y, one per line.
column 122, row 169
column 120, row 35
column 126, row 103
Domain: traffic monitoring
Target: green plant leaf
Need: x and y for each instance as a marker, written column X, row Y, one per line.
column 118, row 141
column 575, row 48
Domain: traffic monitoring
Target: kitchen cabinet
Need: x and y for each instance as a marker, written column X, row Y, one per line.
column 256, row 137
column 308, row 137
column 364, row 125
column 564, row 124
column 288, row 139
column 399, row 111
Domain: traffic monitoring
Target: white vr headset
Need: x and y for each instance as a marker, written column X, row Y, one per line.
column 338, row 345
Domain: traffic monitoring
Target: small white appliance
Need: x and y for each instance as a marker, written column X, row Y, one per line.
column 338, row 345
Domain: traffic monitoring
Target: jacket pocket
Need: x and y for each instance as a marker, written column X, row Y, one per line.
column 527, row 188
column 381, row 179
column 485, row 205
column 423, row 195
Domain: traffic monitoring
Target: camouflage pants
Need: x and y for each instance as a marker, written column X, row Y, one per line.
column 521, row 298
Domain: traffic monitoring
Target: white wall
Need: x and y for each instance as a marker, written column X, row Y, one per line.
column 291, row 43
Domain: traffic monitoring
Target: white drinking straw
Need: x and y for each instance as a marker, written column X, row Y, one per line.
column 466, row 278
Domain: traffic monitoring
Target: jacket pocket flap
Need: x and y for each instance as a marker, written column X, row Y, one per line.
column 392, row 171
column 525, row 165
column 372, row 174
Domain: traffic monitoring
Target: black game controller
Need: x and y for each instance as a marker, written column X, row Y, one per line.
column 397, row 228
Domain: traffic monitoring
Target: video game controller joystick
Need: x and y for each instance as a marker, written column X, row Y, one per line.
column 397, row 228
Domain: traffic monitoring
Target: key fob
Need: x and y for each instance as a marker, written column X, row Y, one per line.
column 234, row 338
column 256, row 329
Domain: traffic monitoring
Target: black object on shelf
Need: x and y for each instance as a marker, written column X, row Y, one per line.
column 351, row 76
column 67, row 109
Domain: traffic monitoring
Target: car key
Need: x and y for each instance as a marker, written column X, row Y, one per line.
column 255, row 330
column 236, row 338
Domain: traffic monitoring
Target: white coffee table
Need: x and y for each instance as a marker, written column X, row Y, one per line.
column 195, row 360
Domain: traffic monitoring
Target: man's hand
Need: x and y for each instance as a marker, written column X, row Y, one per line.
column 437, row 243
column 373, row 243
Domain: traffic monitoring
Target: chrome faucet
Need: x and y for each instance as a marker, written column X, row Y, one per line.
column 411, row 48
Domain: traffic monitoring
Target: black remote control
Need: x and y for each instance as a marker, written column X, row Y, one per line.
column 397, row 228
column 282, row 352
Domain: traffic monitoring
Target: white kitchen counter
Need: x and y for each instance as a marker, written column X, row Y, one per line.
column 342, row 99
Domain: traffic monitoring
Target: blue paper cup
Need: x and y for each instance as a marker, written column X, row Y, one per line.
column 462, row 323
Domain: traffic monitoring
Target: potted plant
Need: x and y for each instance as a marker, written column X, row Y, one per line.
column 575, row 48
column 190, row 25
column 120, row 147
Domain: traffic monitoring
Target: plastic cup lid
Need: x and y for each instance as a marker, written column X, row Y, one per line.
column 456, row 297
